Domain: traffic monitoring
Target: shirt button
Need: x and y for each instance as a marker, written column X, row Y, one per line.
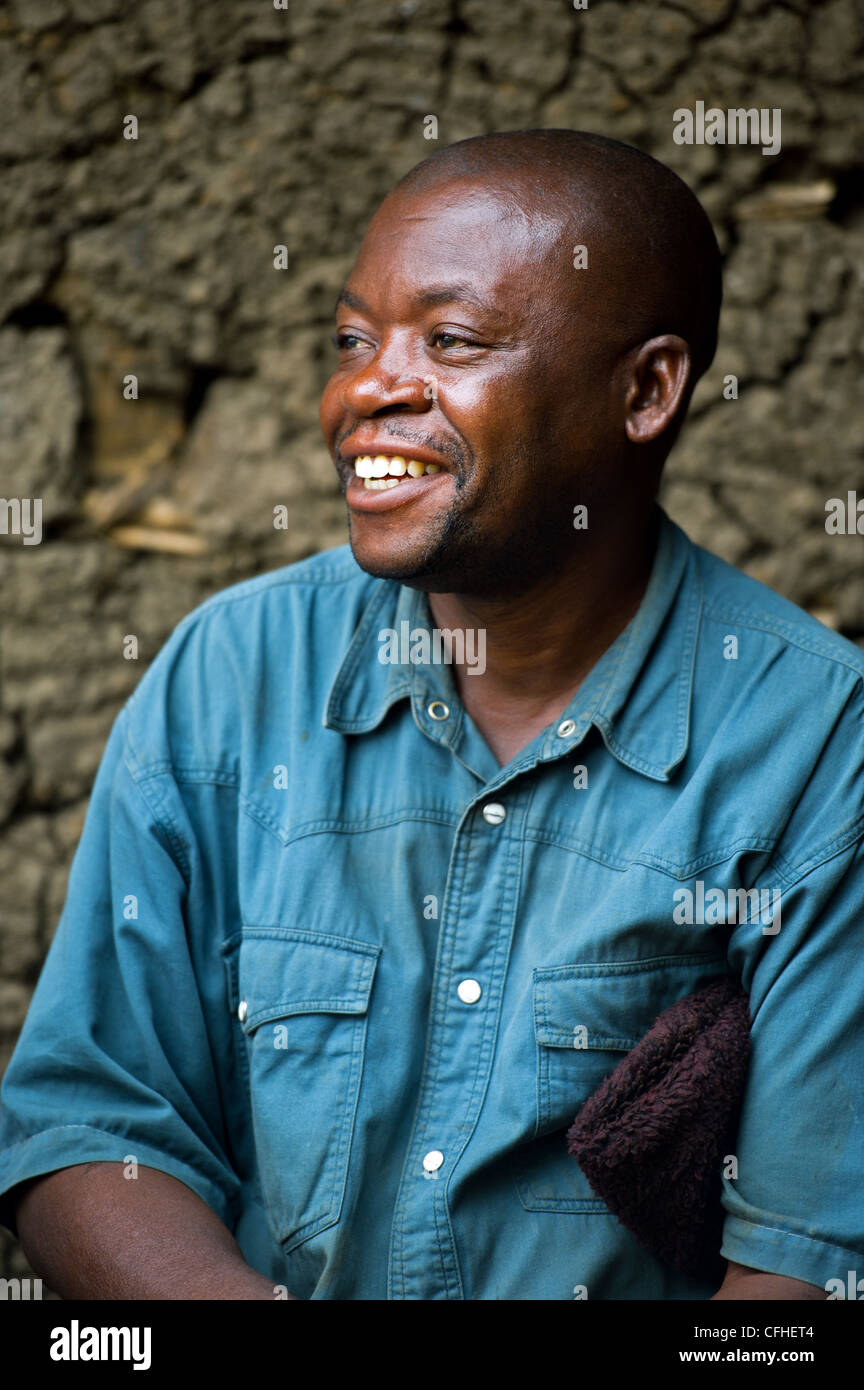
column 566, row 727
column 438, row 710
column 242, row 1010
column 433, row 1160
column 494, row 813
column 469, row 991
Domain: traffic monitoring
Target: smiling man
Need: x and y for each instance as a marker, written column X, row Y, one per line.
column 355, row 927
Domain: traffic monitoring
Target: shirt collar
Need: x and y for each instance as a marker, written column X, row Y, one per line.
column 638, row 695
column 644, row 714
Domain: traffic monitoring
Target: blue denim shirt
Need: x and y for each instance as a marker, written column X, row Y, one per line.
column 326, row 962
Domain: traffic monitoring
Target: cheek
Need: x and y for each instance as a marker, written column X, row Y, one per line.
column 492, row 411
column 329, row 409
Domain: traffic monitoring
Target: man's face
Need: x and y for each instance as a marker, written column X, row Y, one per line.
column 467, row 340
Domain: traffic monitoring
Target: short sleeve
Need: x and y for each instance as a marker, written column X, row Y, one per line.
column 795, row 1207
column 116, row 1057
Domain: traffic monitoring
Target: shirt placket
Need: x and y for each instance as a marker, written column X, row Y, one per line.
column 477, row 920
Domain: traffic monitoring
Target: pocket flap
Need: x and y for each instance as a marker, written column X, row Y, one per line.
column 611, row 1005
column 282, row 972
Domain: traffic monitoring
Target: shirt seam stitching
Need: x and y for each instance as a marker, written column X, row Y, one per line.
column 124, row 1139
column 782, row 1231
column 813, row 646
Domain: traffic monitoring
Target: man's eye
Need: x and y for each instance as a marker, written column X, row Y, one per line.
column 453, row 340
column 346, row 341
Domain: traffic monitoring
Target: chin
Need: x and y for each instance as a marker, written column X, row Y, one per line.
column 399, row 568
column 381, row 562
column 452, row 561
column 387, row 558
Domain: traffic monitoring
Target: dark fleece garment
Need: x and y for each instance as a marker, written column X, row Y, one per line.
column 652, row 1138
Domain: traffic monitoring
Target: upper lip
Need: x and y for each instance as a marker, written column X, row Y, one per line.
column 395, row 449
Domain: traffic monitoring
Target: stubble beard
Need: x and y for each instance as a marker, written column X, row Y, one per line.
column 465, row 558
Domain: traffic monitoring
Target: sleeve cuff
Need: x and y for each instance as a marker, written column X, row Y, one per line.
column 783, row 1252
column 68, row 1145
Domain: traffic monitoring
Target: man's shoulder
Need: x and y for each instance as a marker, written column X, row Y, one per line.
column 327, row 571
column 778, row 718
column 303, row 592
column 740, row 603
column 244, row 644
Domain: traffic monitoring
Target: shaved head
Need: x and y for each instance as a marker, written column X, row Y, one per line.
column 654, row 237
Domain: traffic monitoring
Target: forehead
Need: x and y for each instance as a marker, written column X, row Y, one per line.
column 493, row 239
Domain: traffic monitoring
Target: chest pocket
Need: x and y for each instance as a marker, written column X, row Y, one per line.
column 302, row 1005
column 586, row 1018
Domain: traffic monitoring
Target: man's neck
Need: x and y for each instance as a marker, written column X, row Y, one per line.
column 540, row 646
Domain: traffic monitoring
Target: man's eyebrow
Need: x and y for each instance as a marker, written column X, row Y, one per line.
column 351, row 301
column 444, row 294
column 436, row 294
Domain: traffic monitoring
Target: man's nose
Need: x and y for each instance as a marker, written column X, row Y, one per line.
column 388, row 381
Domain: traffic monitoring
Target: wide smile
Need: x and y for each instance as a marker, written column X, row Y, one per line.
column 386, row 471
column 381, row 482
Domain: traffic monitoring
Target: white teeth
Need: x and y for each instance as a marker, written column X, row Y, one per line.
column 380, row 484
column 385, row 471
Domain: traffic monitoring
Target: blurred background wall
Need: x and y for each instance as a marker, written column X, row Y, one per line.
column 154, row 257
